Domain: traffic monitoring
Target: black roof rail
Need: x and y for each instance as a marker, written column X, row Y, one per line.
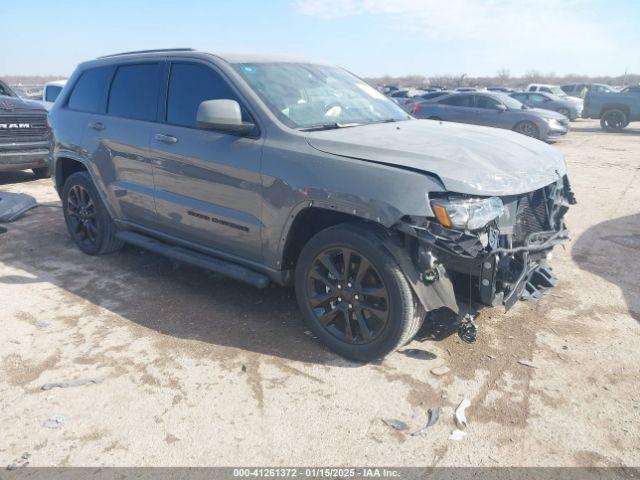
column 158, row 50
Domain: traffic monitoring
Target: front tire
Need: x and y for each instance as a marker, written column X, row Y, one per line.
column 565, row 112
column 353, row 295
column 528, row 128
column 614, row 120
column 41, row 172
column 87, row 219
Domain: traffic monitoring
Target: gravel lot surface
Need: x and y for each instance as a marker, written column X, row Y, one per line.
column 194, row 369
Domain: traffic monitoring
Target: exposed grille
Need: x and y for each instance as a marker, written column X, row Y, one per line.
column 531, row 216
column 22, row 128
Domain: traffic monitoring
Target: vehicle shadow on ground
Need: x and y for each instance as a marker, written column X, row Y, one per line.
column 158, row 294
column 592, row 252
column 7, row 178
column 591, row 129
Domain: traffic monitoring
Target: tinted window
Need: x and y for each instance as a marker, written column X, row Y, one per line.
column 486, row 102
column 52, row 93
column 522, row 97
column 458, row 101
column 537, row 98
column 190, row 85
column 134, row 91
column 90, row 92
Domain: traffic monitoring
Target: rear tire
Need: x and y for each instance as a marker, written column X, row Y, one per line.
column 614, row 120
column 87, row 219
column 353, row 295
column 41, row 172
column 527, row 128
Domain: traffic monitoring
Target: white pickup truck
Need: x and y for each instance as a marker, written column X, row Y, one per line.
column 51, row 91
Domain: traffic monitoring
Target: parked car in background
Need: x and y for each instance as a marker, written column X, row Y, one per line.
column 576, row 89
column 407, row 98
column 548, row 101
column 430, row 95
column 500, row 89
column 615, row 110
column 264, row 170
column 25, row 139
column 51, row 91
column 466, row 89
column 495, row 110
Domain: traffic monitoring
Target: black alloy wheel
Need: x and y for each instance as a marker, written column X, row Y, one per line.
column 81, row 212
column 88, row 221
column 348, row 296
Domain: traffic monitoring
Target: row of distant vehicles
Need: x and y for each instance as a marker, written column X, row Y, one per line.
column 540, row 111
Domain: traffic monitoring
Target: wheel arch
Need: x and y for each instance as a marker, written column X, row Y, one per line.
column 615, row 106
column 66, row 163
column 310, row 220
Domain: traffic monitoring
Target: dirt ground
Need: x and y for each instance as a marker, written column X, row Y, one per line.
column 194, row 369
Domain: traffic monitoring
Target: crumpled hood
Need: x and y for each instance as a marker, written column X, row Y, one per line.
column 467, row 158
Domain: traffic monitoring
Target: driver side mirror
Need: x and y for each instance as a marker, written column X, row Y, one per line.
column 501, row 108
column 223, row 115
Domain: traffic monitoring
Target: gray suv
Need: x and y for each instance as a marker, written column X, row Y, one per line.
column 271, row 170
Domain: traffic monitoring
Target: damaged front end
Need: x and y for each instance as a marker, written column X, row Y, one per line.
column 498, row 263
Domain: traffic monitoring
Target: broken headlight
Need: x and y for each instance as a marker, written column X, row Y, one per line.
column 467, row 213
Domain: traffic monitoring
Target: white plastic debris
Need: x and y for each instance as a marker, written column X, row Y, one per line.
column 457, row 435
column 439, row 371
column 461, row 418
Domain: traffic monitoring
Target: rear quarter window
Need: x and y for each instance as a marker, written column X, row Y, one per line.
column 90, row 91
column 134, row 91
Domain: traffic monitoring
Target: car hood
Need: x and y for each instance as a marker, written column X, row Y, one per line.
column 468, row 159
column 13, row 104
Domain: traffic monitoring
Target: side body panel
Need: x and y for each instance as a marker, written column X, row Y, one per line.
column 295, row 177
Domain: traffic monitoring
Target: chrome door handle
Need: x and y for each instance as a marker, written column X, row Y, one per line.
column 161, row 137
column 96, row 126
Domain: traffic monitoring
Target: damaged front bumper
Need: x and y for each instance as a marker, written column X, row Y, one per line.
column 497, row 265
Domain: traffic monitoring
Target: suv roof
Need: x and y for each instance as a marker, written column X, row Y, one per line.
column 227, row 57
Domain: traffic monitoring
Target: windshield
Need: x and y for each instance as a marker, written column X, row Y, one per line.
column 306, row 95
column 509, row 102
column 6, row 91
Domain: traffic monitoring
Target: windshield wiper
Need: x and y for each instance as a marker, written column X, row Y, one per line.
column 328, row 126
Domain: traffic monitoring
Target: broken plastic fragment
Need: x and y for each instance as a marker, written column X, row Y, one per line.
column 73, row 383
column 457, row 435
column 419, row 354
column 461, row 419
column 468, row 329
column 441, row 370
column 397, row 424
column 433, row 415
column 54, row 422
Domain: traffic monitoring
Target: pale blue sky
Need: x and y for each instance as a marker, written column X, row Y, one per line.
column 370, row 37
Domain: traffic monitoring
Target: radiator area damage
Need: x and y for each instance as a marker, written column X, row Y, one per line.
column 498, row 264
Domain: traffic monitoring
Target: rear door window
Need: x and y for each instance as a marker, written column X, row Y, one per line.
column 458, row 101
column 90, row 91
column 134, row 91
column 485, row 102
column 189, row 85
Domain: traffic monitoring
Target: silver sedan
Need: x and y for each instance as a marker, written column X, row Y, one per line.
column 494, row 110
